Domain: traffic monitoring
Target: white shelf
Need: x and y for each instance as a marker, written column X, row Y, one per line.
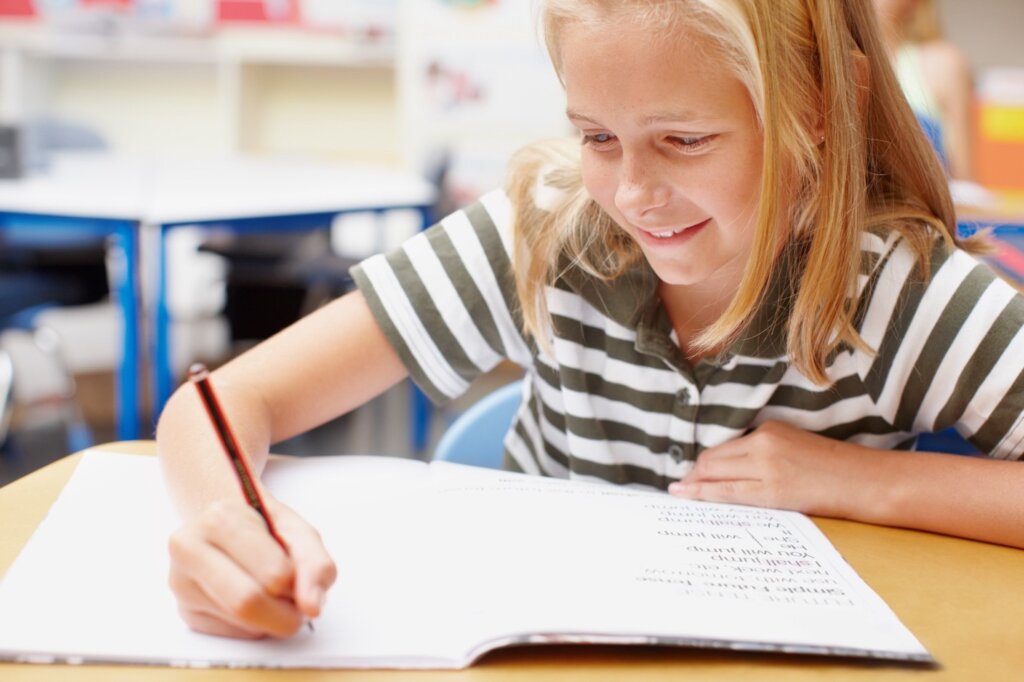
column 220, row 76
column 257, row 45
column 299, row 47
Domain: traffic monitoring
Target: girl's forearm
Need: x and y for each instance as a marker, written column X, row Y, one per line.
column 195, row 466
column 970, row 497
column 324, row 365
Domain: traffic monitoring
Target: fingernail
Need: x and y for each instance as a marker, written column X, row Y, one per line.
column 680, row 488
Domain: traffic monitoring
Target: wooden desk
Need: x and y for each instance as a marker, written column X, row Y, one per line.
column 960, row 598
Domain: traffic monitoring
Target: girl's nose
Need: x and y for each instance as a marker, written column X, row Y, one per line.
column 640, row 190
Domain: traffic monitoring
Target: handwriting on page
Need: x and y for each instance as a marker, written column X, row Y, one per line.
column 743, row 554
column 711, row 551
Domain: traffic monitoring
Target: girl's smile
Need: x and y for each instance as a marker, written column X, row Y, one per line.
column 671, row 236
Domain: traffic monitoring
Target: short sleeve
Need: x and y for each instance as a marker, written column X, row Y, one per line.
column 446, row 298
column 950, row 349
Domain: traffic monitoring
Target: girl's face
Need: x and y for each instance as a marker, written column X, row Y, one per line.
column 672, row 149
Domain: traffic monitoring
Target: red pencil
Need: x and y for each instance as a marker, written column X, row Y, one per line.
column 199, row 375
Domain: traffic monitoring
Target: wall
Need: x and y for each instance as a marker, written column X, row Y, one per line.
column 989, row 31
column 145, row 108
column 346, row 114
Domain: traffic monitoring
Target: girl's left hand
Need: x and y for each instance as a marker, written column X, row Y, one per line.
column 780, row 466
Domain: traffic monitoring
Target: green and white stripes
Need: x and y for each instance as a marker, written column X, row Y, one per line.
column 617, row 402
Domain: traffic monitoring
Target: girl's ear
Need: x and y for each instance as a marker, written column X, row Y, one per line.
column 861, row 68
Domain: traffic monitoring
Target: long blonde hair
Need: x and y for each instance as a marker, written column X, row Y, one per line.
column 801, row 61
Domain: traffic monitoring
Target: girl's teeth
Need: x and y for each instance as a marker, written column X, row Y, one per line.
column 667, row 234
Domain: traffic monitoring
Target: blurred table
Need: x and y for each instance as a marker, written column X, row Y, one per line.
column 253, row 196
column 130, row 198
column 1003, row 213
column 94, row 195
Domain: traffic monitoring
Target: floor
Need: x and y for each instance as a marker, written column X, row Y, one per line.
column 46, row 433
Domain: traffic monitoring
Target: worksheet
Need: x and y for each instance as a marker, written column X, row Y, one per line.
column 440, row 563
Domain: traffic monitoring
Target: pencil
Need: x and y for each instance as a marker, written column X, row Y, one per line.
column 200, row 376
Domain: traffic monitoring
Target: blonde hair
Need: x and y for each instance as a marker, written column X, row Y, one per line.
column 799, row 60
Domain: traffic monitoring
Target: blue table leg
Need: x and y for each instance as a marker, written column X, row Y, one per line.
column 163, row 381
column 125, row 249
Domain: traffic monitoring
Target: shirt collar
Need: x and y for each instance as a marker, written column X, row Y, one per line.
column 632, row 301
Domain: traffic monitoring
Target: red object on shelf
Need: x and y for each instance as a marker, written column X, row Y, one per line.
column 266, row 11
column 120, row 4
column 17, row 8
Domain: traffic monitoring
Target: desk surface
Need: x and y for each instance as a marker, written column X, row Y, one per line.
column 960, row 598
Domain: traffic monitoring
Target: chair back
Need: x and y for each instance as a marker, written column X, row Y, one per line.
column 948, row 441
column 476, row 437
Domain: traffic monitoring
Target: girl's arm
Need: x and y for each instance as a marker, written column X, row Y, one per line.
column 782, row 466
column 229, row 575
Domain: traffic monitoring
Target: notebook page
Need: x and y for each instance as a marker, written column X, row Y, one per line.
column 608, row 562
column 436, row 567
column 91, row 584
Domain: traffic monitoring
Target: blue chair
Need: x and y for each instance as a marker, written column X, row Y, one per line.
column 476, row 436
column 948, row 441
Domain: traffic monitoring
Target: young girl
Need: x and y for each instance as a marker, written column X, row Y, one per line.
column 740, row 285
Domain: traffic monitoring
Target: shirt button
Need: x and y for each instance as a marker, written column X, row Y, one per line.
column 683, row 398
column 675, row 451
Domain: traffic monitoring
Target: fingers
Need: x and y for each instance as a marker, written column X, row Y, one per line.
column 730, row 467
column 205, row 614
column 241, row 534
column 726, row 473
column 728, row 461
column 231, row 578
column 315, row 571
column 749, row 492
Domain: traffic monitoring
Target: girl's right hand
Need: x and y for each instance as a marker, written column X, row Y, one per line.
column 232, row 579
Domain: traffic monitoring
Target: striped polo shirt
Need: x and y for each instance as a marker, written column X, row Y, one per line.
column 617, row 401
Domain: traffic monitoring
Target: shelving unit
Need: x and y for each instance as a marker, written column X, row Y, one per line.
column 237, row 90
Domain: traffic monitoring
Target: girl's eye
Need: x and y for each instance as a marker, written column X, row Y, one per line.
column 689, row 144
column 598, row 140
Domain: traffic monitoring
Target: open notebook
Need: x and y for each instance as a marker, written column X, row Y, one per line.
column 441, row 563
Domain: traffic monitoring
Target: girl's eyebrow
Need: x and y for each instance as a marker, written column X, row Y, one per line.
column 576, row 115
column 683, row 116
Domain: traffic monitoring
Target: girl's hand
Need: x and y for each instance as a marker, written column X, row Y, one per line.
column 232, row 579
column 780, row 466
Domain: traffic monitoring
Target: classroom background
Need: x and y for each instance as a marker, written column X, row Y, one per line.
column 180, row 178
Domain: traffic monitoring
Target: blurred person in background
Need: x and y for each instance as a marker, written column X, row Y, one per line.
column 935, row 76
